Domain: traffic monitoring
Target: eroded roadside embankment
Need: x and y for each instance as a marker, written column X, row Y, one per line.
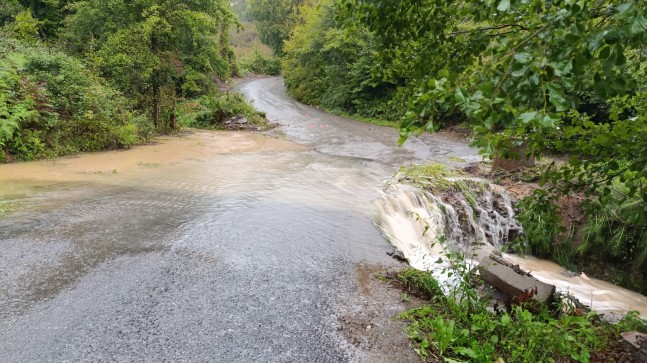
column 476, row 218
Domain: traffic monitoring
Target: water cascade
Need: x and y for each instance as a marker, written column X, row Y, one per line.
column 474, row 218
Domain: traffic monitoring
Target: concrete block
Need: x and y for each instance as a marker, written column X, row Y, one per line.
column 518, row 286
column 637, row 344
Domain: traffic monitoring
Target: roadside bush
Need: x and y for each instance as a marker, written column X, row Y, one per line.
column 333, row 65
column 51, row 104
column 467, row 330
column 211, row 111
column 258, row 63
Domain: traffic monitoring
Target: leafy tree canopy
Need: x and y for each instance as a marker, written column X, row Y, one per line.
column 564, row 76
column 154, row 50
column 274, row 20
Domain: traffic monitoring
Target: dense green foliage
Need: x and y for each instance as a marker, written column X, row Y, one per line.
column 51, row 104
column 258, row 63
column 328, row 64
column 562, row 76
column 274, row 20
column 211, row 112
column 466, row 330
column 91, row 75
column 154, row 51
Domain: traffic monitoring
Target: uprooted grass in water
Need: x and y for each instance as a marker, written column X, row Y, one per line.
column 432, row 177
column 460, row 330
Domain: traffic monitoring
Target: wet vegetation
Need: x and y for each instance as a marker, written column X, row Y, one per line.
column 462, row 327
column 85, row 75
column 432, row 177
column 559, row 77
column 562, row 77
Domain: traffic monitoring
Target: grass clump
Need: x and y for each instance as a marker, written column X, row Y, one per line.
column 420, row 283
column 432, row 177
column 7, row 207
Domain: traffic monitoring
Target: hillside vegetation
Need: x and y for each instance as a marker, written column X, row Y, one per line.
column 93, row 75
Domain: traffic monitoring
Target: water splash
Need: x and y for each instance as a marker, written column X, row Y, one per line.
column 472, row 216
column 475, row 218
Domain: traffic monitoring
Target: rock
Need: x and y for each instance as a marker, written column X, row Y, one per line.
column 637, row 344
column 242, row 120
column 518, row 285
column 398, row 255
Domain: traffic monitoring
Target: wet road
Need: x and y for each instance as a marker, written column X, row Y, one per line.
column 235, row 255
column 334, row 135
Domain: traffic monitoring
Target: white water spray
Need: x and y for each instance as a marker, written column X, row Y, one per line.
column 476, row 221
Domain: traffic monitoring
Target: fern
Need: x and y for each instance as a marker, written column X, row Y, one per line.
column 611, row 230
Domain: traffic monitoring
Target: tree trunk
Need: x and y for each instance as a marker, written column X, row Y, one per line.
column 156, row 103
column 157, row 99
column 172, row 119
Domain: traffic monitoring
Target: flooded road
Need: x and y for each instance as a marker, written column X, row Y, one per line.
column 229, row 247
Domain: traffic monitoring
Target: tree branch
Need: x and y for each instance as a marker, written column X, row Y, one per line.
column 504, row 26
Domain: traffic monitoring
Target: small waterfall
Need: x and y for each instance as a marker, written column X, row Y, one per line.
column 475, row 218
column 472, row 217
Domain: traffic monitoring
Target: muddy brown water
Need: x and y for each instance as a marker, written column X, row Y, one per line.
column 213, row 246
column 414, row 220
column 208, row 247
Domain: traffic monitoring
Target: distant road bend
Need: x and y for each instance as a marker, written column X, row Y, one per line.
column 218, row 247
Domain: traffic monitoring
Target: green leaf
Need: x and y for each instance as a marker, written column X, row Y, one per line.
column 466, row 352
column 523, row 58
column 556, row 97
column 518, row 72
column 638, row 24
column 504, row 5
column 604, row 52
column 562, row 67
column 620, row 55
column 527, row 117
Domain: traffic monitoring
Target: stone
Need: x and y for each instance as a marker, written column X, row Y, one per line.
column 518, row 285
column 398, row 255
column 637, row 344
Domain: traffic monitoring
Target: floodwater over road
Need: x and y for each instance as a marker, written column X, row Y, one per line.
column 209, row 247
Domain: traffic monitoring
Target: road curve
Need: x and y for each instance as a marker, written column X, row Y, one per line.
column 335, row 135
column 254, row 256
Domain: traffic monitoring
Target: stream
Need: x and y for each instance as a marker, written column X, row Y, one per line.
column 214, row 246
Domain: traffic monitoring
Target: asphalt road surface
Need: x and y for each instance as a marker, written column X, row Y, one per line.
column 236, row 256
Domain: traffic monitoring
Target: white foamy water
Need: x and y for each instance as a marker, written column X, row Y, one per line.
column 416, row 222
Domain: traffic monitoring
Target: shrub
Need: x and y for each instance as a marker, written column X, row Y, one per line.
column 258, row 63
column 211, row 111
column 467, row 330
column 51, row 104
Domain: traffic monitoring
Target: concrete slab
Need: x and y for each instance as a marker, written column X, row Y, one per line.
column 517, row 286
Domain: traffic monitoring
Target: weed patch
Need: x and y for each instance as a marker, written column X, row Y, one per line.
column 462, row 330
column 432, row 177
column 7, row 207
